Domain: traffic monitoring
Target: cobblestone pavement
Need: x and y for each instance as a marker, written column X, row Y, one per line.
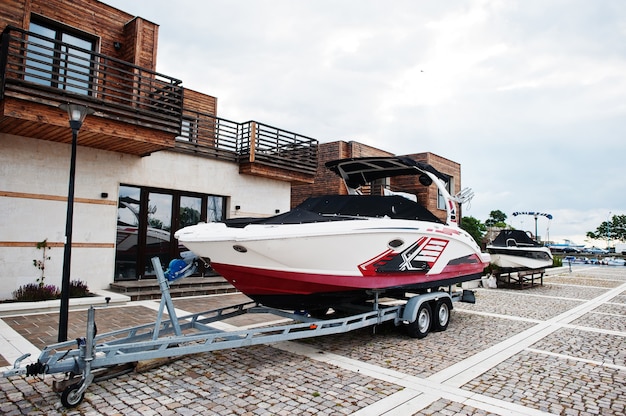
column 559, row 348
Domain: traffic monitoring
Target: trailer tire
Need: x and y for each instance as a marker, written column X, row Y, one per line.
column 442, row 315
column 70, row 397
column 423, row 322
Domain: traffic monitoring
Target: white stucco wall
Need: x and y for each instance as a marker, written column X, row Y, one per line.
column 38, row 171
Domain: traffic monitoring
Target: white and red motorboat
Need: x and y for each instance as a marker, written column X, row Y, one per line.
column 338, row 249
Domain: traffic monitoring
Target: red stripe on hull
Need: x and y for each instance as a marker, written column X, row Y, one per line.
column 255, row 281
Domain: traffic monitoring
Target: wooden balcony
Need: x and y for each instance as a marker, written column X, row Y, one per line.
column 137, row 111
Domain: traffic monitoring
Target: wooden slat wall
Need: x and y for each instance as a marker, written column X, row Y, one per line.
column 139, row 39
column 264, row 171
column 203, row 104
column 199, row 102
column 139, row 44
column 14, row 12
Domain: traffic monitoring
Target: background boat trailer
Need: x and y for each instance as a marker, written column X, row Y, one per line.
column 100, row 356
column 520, row 279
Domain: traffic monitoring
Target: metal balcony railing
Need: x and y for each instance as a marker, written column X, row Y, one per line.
column 208, row 135
column 249, row 142
column 52, row 70
column 271, row 146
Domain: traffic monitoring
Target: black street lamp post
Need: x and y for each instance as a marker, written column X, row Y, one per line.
column 77, row 114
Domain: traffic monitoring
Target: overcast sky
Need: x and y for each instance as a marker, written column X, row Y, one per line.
column 529, row 96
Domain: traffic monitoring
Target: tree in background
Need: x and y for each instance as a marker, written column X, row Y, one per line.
column 496, row 218
column 613, row 229
column 474, row 227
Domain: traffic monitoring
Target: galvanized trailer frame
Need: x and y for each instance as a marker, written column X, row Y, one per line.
column 190, row 334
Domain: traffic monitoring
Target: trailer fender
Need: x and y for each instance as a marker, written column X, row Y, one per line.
column 409, row 314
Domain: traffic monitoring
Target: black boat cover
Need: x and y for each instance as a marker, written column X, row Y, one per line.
column 520, row 237
column 345, row 207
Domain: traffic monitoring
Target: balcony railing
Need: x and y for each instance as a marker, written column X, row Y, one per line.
column 249, row 142
column 210, row 136
column 55, row 71
column 278, row 148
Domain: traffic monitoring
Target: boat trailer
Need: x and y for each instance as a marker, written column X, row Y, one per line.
column 97, row 356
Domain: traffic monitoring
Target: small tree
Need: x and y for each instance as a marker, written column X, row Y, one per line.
column 41, row 264
column 614, row 229
column 474, row 227
column 496, row 218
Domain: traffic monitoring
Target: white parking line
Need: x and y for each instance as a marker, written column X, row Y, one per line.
column 582, row 360
column 498, row 315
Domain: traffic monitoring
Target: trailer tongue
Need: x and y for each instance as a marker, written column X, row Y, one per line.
column 84, row 360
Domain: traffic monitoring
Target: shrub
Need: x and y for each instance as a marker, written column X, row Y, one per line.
column 33, row 292
column 78, row 289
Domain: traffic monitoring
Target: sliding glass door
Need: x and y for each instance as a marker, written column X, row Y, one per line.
column 146, row 221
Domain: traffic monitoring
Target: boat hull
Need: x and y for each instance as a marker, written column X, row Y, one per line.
column 520, row 258
column 305, row 266
column 301, row 291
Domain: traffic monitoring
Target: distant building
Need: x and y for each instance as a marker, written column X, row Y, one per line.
column 327, row 182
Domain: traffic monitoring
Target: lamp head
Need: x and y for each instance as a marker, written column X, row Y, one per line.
column 76, row 114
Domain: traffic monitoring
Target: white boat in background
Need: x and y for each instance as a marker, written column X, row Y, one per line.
column 343, row 248
column 516, row 250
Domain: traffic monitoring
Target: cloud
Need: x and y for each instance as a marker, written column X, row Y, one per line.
column 529, row 96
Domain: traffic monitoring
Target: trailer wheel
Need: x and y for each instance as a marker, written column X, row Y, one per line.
column 442, row 315
column 70, row 396
column 421, row 326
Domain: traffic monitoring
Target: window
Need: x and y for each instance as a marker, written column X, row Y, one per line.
column 189, row 130
column 215, row 210
column 60, row 57
column 441, row 202
column 146, row 221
